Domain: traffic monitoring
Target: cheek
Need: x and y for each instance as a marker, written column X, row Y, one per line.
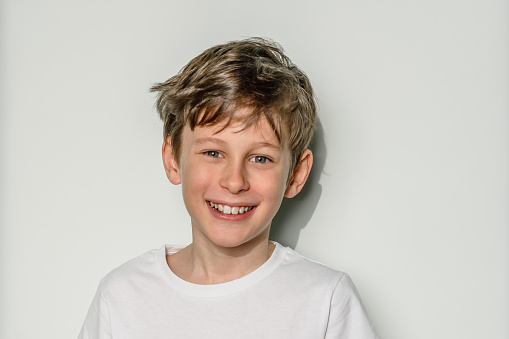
column 195, row 178
column 272, row 186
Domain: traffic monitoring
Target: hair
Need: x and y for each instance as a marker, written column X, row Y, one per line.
column 253, row 73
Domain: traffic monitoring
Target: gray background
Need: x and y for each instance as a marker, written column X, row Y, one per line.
column 410, row 190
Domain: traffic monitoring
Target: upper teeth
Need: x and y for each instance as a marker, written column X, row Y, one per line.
column 230, row 210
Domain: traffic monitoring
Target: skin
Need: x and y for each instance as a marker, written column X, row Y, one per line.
column 236, row 166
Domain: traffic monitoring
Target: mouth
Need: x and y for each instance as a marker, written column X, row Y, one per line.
column 226, row 209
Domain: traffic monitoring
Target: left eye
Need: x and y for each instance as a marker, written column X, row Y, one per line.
column 214, row 154
column 259, row 159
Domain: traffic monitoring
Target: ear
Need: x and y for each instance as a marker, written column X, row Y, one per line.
column 170, row 164
column 300, row 175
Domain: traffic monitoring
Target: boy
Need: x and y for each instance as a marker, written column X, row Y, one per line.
column 237, row 122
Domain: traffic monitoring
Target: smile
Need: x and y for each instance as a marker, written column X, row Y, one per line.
column 225, row 209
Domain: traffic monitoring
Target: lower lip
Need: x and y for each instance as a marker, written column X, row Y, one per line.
column 231, row 217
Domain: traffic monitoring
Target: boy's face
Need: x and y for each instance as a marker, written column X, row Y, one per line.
column 233, row 180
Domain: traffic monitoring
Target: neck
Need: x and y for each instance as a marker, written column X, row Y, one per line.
column 205, row 263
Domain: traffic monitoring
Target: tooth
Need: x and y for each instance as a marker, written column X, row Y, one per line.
column 235, row 210
column 211, row 204
column 241, row 210
column 220, row 207
column 227, row 209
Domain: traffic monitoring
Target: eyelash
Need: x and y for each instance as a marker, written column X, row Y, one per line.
column 259, row 159
column 213, row 154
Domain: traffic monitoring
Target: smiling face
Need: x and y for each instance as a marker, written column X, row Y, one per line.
column 233, row 180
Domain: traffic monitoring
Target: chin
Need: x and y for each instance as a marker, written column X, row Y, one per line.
column 232, row 239
column 229, row 241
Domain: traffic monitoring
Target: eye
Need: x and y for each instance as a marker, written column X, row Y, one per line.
column 214, row 154
column 259, row 159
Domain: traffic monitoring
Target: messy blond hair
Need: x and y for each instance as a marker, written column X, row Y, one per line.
column 253, row 73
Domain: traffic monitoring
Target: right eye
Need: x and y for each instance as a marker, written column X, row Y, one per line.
column 214, row 154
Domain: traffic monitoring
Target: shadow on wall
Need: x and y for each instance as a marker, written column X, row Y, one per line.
column 296, row 212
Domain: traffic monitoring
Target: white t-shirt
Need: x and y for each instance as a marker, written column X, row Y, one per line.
column 289, row 296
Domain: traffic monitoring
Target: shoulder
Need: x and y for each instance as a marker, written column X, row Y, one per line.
column 346, row 314
column 299, row 262
column 133, row 272
column 298, row 267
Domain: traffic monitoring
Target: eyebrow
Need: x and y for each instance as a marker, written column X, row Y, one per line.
column 201, row 141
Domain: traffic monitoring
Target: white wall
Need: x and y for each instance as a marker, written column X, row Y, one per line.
column 413, row 195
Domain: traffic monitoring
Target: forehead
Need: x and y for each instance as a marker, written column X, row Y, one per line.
column 242, row 121
column 236, row 132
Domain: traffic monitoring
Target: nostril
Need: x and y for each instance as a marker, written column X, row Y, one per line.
column 235, row 180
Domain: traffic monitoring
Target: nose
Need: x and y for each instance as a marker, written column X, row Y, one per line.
column 234, row 177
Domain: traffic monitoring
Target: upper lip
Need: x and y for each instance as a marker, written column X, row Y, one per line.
column 231, row 204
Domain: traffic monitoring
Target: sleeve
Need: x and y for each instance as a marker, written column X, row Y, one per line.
column 347, row 317
column 97, row 322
